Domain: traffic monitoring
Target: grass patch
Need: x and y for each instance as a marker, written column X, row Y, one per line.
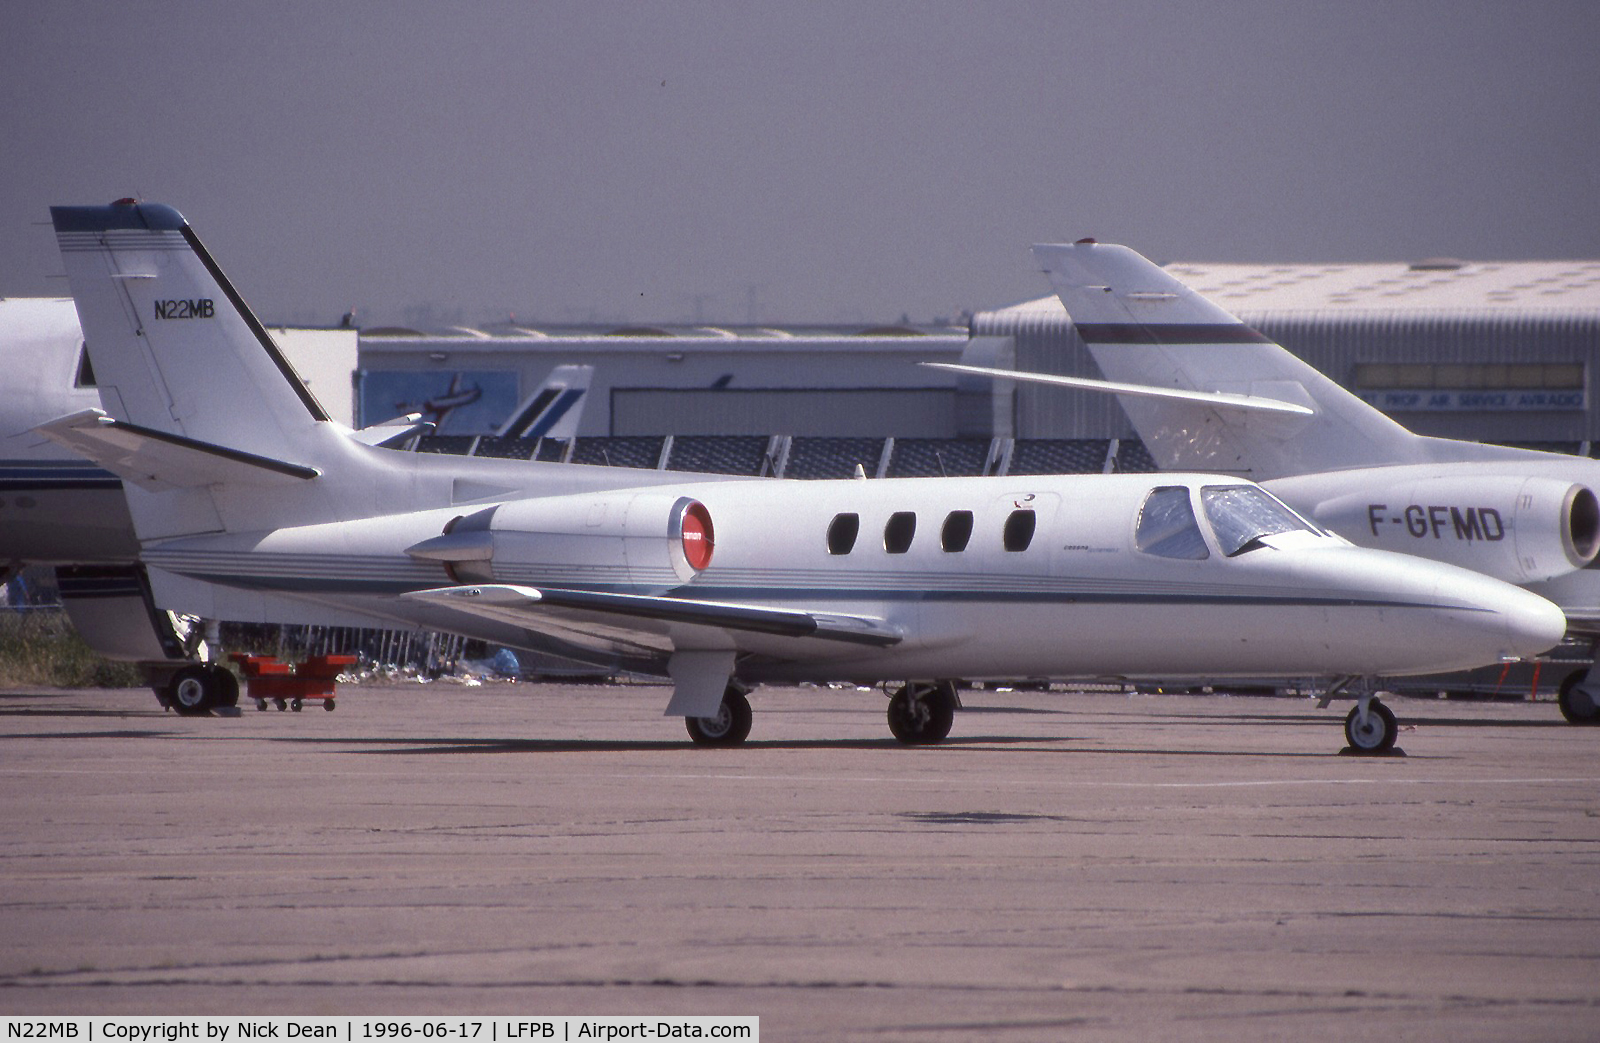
column 39, row 647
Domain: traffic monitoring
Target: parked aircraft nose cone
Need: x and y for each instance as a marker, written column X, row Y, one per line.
column 1532, row 624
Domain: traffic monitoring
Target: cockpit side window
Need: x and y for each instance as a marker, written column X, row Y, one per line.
column 1241, row 515
column 1167, row 526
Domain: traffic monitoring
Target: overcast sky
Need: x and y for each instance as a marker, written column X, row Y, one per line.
column 790, row 162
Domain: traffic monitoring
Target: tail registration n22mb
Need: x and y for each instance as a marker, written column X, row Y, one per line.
column 203, row 308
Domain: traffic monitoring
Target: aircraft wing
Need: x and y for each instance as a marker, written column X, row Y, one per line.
column 160, row 461
column 1218, row 399
column 512, row 603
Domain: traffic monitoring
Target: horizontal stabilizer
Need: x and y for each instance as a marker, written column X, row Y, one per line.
column 160, row 461
column 393, row 432
column 505, row 601
column 1219, row 399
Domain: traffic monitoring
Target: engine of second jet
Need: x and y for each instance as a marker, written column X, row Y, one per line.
column 1519, row 529
column 619, row 540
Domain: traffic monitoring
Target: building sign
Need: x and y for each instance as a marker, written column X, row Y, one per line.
column 1513, row 400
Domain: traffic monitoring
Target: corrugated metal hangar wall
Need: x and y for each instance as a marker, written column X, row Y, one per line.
column 1501, row 351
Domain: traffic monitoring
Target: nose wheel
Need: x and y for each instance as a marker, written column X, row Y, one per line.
column 1577, row 699
column 1371, row 728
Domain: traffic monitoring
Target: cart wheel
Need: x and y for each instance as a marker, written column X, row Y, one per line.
column 327, row 704
column 261, row 704
column 295, row 706
column 280, row 704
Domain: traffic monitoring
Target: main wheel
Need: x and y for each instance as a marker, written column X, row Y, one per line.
column 228, row 695
column 1576, row 701
column 195, row 690
column 729, row 727
column 922, row 714
column 1379, row 732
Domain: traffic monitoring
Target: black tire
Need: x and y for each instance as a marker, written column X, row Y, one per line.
column 327, row 704
column 1577, row 706
column 730, row 727
column 229, row 695
column 1379, row 734
column 922, row 714
column 194, row 690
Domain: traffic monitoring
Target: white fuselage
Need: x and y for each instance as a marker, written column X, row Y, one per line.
column 1078, row 600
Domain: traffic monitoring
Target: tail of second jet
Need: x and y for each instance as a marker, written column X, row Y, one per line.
column 1145, row 327
column 554, row 409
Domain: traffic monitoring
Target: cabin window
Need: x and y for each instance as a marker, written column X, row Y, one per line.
column 1167, row 527
column 1018, row 533
column 1241, row 515
column 842, row 533
column 898, row 534
column 957, row 531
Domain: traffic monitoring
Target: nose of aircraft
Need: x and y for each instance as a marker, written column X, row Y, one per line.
column 1532, row 624
column 1483, row 619
column 1430, row 616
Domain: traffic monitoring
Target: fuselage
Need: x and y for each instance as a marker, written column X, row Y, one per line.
column 1052, row 576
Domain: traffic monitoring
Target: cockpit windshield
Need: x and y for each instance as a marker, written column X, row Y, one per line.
column 1167, row 527
column 1241, row 515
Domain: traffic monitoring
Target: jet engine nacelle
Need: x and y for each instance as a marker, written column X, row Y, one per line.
column 626, row 540
column 1514, row 528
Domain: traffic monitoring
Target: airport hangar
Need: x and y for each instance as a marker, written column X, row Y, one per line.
column 1492, row 351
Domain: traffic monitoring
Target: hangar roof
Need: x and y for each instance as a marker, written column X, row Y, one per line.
column 1442, row 285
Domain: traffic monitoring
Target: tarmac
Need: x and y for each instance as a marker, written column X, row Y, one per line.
column 1066, row 866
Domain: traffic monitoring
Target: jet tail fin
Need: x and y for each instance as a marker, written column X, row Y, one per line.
column 169, row 337
column 552, row 411
column 1145, row 327
column 205, row 414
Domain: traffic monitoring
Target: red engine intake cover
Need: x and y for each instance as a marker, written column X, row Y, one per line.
column 698, row 538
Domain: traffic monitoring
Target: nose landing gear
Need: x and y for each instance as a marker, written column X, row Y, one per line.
column 1370, row 728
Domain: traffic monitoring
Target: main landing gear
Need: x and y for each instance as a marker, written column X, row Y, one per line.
column 199, row 688
column 730, row 726
column 1579, row 702
column 921, row 713
column 1370, row 728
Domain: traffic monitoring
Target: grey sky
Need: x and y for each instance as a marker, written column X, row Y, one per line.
column 817, row 161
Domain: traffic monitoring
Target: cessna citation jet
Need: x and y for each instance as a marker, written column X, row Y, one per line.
column 1207, row 392
column 250, row 504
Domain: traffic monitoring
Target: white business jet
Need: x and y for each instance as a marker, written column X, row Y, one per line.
column 1206, row 392
column 250, row 504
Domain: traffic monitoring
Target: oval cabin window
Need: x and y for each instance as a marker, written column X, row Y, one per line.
column 901, row 530
column 842, row 532
column 957, row 531
column 1019, row 530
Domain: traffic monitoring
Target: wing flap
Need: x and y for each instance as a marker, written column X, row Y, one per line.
column 502, row 601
